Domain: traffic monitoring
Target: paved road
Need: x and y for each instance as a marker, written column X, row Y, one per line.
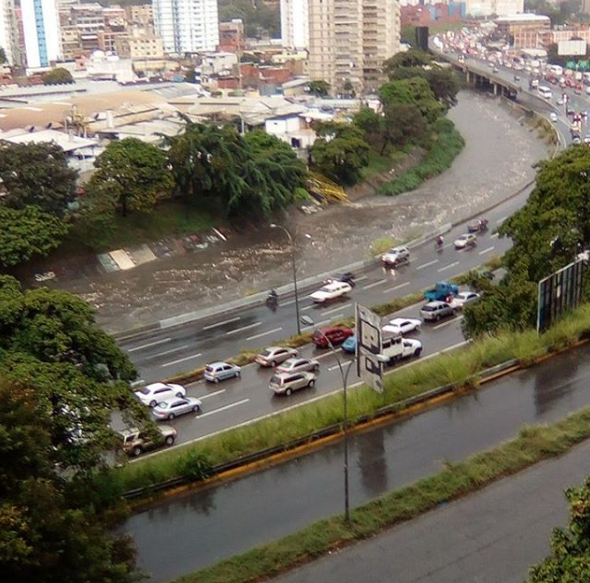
column 199, row 528
column 491, row 536
column 186, row 347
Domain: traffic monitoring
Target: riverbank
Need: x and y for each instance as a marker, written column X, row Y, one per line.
column 496, row 146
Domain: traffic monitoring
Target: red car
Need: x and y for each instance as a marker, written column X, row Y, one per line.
column 335, row 334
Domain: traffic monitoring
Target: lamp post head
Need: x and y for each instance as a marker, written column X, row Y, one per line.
column 273, row 225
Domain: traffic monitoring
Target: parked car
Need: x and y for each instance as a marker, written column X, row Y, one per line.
column 219, row 371
column 347, row 277
column 331, row 292
column 274, row 355
column 436, row 310
column 286, row 383
column 349, row 345
column 175, row 406
column 464, row 298
column 152, row 394
column 136, row 442
column 335, row 334
column 467, row 240
column 396, row 256
column 298, row 365
column 403, row 325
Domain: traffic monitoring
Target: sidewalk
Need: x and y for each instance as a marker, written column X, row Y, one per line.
column 492, row 536
column 496, row 162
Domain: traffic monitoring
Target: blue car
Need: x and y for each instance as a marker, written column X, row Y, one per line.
column 350, row 345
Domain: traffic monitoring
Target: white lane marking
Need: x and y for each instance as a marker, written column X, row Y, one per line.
column 449, row 266
column 339, row 315
column 308, row 308
column 426, row 264
column 346, row 363
column 500, row 221
column 486, row 250
column 180, row 360
column 149, row 344
column 203, row 397
column 494, row 236
column 375, row 283
column 329, row 353
column 361, row 278
column 230, row 406
column 264, row 333
column 395, row 287
column 343, row 307
column 171, row 351
column 287, row 303
column 221, row 323
column 447, row 323
column 249, row 327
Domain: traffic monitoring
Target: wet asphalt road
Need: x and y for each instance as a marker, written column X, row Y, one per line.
column 197, row 529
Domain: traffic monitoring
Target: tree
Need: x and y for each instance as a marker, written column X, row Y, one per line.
column 37, row 174
column 569, row 561
column 134, row 174
column 414, row 91
column 403, row 124
column 57, row 76
column 371, row 123
column 410, row 58
column 49, row 526
column 28, row 232
column 340, row 152
column 319, row 88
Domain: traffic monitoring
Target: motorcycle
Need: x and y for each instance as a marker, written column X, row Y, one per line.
column 272, row 300
column 439, row 244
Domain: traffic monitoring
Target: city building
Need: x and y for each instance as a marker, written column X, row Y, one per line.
column 349, row 40
column 295, row 23
column 231, row 36
column 8, row 32
column 41, row 32
column 479, row 8
column 187, row 26
column 140, row 14
column 523, row 28
column 140, row 45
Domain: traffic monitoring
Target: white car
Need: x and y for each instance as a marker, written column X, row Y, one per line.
column 152, row 394
column 396, row 256
column 464, row 298
column 331, row 291
column 402, row 325
column 553, row 116
column 467, row 240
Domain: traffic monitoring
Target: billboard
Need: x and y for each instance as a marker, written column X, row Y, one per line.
column 369, row 344
column 560, row 293
column 574, row 48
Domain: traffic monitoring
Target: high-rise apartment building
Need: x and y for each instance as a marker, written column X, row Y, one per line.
column 8, row 32
column 349, row 40
column 295, row 23
column 41, row 32
column 187, row 26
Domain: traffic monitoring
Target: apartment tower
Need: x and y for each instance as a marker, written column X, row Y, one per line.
column 8, row 32
column 187, row 26
column 41, row 32
column 347, row 40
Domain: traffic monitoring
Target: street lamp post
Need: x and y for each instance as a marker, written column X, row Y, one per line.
column 275, row 226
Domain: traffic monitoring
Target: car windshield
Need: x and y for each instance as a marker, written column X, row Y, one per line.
column 266, row 352
column 275, row 380
column 289, row 362
column 209, row 369
column 326, row 288
column 145, row 391
column 429, row 308
column 163, row 405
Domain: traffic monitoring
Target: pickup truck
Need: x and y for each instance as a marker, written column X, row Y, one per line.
column 396, row 347
column 441, row 291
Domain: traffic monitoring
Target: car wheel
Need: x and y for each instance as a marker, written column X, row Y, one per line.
column 273, row 363
column 169, row 440
column 316, row 368
column 136, row 451
column 288, row 392
column 216, row 381
column 418, row 352
column 437, row 317
column 179, row 395
column 171, row 416
column 196, row 409
column 311, row 383
column 238, row 374
column 153, row 404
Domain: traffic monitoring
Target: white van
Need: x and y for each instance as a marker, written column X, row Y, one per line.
column 544, row 92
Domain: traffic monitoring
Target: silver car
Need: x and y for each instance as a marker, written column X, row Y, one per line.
column 298, row 365
column 274, row 355
column 286, row 383
column 171, row 408
column 436, row 310
column 219, row 371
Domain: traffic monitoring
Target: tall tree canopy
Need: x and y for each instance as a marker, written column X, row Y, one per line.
column 57, row 76
column 413, row 91
column 133, row 174
column 37, row 174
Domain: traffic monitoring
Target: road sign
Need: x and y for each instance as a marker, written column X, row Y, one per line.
column 368, row 347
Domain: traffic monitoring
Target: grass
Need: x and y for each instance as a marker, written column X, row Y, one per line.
column 170, row 218
column 458, row 369
column 446, row 144
column 380, row 164
column 533, row 444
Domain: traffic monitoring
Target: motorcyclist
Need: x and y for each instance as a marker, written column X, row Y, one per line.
column 440, row 241
column 273, row 295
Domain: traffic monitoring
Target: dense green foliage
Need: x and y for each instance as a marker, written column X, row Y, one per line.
column 246, row 177
column 131, row 175
column 28, row 232
column 57, row 76
column 319, row 88
column 37, row 174
column 547, row 233
column 259, row 19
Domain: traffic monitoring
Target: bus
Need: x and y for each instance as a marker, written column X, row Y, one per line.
column 544, row 92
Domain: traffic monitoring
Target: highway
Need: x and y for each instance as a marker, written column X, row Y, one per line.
column 166, row 352
column 198, row 528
